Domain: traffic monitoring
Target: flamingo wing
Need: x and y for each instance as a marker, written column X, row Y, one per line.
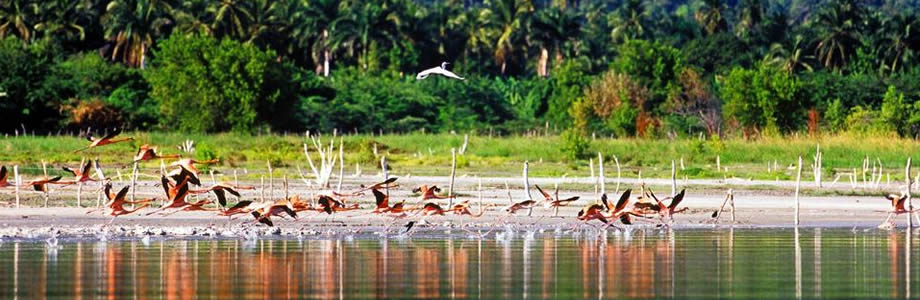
column 545, row 194
column 624, row 200
column 381, row 199
column 677, row 199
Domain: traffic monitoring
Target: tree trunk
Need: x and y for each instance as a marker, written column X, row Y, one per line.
column 541, row 64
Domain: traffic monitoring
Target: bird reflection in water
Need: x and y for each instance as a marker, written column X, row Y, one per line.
column 651, row 264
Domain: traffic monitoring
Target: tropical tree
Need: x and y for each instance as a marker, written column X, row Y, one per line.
column 791, row 59
column 17, row 18
column 750, row 19
column 839, row 26
column 555, row 30
column 366, row 25
column 506, row 19
column 133, row 26
column 232, row 18
column 710, row 16
column 629, row 21
column 310, row 30
column 194, row 17
column 65, row 19
column 901, row 39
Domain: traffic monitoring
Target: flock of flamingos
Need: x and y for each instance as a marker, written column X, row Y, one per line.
column 177, row 183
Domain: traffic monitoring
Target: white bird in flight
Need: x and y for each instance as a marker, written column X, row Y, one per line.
column 441, row 70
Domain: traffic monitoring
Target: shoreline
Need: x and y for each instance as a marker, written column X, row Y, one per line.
column 754, row 209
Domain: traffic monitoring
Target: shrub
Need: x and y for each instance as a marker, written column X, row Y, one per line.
column 203, row 84
column 574, row 144
column 763, row 99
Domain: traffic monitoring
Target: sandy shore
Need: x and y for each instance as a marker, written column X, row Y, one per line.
column 754, row 208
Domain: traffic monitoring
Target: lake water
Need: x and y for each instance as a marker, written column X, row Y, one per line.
column 696, row 263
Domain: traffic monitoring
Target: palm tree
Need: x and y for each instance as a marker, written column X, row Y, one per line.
column 557, row 30
column 900, row 39
column 506, row 18
column 17, row 18
column 790, row 60
column 710, row 16
column 194, row 17
column 66, row 19
column 367, row 25
column 751, row 17
column 310, row 30
column 839, row 26
column 133, row 26
column 629, row 21
column 232, row 18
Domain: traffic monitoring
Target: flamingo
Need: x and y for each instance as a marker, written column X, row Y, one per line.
column 389, row 183
column 81, row 175
column 145, row 153
column 429, row 192
column 439, row 70
column 431, row 209
column 117, row 202
column 670, row 209
column 105, row 140
column 264, row 213
column 526, row 204
column 219, row 190
column 242, row 207
column 41, row 184
column 463, row 209
column 4, row 177
column 330, row 205
column 898, row 208
column 188, row 164
column 175, row 193
column 605, row 212
column 555, row 203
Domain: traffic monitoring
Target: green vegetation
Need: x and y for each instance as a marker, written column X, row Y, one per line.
column 628, row 68
column 429, row 154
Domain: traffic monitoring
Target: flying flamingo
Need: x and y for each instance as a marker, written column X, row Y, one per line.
column 330, row 205
column 175, row 193
column 81, row 175
column 219, row 190
column 264, row 213
column 242, row 207
column 431, row 209
column 555, row 203
column 898, row 208
column 526, row 204
column 606, row 212
column 188, row 164
column 41, row 184
column 117, row 202
column 145, row 153
column 670, row 209
column 105, row 140
column 429, row 192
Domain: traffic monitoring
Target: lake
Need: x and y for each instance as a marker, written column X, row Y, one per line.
column 689, row 263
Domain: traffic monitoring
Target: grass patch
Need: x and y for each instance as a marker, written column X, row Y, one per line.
column 429, row 154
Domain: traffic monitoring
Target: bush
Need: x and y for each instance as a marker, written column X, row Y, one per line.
column 574, row 144
column 203, row 84
column 22, row 79
column 765, row 99
column 611, row 102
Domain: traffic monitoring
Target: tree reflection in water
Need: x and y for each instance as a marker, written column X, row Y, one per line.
column 828, row 263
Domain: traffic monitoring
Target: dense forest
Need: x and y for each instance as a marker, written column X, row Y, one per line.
column 661, row 68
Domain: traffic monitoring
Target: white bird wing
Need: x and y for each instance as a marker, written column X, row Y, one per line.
column 437, row 70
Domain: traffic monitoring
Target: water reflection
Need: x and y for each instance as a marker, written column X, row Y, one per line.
column 826, row 263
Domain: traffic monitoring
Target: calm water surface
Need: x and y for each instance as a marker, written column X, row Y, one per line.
column 751, row 263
